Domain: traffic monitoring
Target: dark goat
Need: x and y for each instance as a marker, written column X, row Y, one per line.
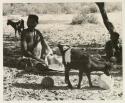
column 76, row 58
column 18, row 26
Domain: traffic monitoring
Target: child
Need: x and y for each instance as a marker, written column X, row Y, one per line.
column 113, row 48
column 33, row 44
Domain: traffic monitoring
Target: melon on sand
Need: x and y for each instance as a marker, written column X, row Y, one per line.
column 47, row 83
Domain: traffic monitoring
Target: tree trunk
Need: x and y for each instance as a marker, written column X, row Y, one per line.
column 106, row 21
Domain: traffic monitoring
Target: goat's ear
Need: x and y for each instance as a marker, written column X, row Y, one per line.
column 59, row 45
column 65, row 47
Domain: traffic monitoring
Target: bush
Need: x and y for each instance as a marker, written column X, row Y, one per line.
column 86, row 15
column 111, row 7
column 91, row 19
column 7, row 9
column 84, row 18
column 93, row 8
column 79, row 19
column 56, row 8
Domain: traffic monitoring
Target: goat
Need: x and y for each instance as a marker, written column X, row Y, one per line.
column 76, row 58
column 18, row 26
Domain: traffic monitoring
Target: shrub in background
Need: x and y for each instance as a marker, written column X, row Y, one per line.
column 112, row 7
column 91, row 18
column 84, row 18
column 56, row 8
column 78, row 19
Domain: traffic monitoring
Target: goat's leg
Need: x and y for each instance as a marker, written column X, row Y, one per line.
column 89, row 79
column 67, row 78
column 15, row 33
column 19, row 31
column 80, row 79
column 66, row 75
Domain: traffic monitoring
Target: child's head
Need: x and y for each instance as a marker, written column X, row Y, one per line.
column 32, row 21
column 114, row 36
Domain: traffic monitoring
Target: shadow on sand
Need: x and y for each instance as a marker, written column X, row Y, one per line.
column 46, row 73
column 39, row 87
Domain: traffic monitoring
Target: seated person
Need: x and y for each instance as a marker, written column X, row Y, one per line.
column 113, row 48
column 33, row 44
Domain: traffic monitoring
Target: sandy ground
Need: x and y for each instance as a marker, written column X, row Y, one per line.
column 22, row 85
